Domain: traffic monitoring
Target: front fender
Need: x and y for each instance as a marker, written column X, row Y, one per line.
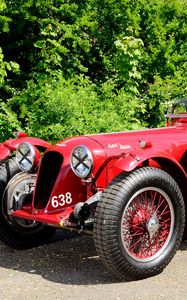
column 4, row 152
column 130, row 162
column 12, row 144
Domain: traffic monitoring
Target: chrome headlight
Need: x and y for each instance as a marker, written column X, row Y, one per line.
column 81, row 161
column 25, row 156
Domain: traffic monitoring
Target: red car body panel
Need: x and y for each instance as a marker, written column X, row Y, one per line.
column 66, row 180
column 113, row 153
column 11, row 145
column 4, row 151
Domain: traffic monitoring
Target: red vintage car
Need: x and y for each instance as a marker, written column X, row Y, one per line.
column 9, row 227
column 126, row 188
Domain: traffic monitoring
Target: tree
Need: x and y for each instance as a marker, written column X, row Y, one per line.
column 110, row 48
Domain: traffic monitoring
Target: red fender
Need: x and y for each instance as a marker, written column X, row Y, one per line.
column 11, row 145
column 130, row 162
column 4, row 152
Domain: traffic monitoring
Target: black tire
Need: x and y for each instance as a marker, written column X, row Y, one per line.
column 11, row 231
column 139, row 223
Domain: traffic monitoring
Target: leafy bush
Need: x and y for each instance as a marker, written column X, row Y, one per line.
column 8, row 122
column 58, row 108
column 71, row 67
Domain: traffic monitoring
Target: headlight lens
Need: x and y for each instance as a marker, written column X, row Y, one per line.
column 81, row 161
column 25, row 156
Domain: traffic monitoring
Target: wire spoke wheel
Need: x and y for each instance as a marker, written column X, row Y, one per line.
column 139, row 223
column 147, row 224
column 15, row 190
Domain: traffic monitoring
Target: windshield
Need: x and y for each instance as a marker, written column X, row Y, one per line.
column 178, row 109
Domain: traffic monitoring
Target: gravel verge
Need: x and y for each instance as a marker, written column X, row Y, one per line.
column 69, row 268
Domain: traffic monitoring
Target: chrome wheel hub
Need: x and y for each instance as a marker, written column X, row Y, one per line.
column 152, row 226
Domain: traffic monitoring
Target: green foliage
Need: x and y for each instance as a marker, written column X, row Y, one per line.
column 164, row 32
column 71, row 67
column 58, row 108
column 6, row 66
column 4, row 20
column 127, row 60
column 8, row 122
column 162, row 94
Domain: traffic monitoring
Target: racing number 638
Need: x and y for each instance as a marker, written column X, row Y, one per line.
column 61, row 200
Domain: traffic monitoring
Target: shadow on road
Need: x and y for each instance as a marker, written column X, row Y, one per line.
column 183, row 245
column 68, row 260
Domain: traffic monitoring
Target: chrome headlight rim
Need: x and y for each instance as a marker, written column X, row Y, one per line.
column 29, row 156
column 88, row 156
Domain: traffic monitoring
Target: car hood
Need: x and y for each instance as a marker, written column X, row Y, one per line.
column 162, row 138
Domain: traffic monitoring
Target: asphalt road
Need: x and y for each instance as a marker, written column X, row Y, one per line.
column 69, row 268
